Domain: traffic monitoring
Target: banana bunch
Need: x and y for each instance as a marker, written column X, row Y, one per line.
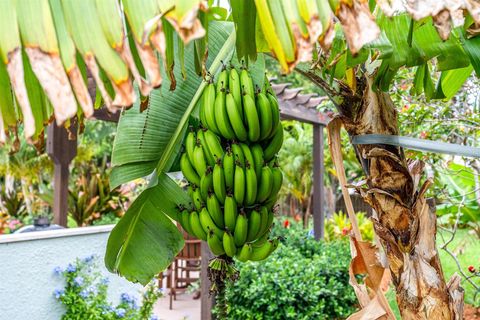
column 230, row 165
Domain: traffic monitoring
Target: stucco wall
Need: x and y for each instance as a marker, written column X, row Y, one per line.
column 27, row 281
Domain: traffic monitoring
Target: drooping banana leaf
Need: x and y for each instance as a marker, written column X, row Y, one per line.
column 145, row 241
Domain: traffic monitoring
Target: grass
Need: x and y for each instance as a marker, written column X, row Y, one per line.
column 466, row 246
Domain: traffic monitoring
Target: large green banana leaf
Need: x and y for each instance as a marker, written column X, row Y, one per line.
column 145, row 241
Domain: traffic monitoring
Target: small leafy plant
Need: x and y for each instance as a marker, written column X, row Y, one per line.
column 85, row 295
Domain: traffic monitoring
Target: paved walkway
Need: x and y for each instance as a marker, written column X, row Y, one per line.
column 184, row 308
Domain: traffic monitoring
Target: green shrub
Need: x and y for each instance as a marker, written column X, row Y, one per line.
column 303, row 279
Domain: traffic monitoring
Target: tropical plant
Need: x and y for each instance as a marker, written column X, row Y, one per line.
column 361, row 47
column 339, row 226
column 296, row 160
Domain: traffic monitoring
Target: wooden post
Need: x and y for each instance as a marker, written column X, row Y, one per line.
column 318, row 188
column 62, row 150
column 207, row 299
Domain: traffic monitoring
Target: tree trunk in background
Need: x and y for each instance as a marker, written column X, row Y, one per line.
column 404, row 222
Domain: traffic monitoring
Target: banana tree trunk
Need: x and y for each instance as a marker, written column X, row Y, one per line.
column 404, row 222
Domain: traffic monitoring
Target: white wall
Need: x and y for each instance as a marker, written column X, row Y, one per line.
column 27, row 261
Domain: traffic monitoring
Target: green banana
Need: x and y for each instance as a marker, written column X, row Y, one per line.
column 185, row 221
column 213, row 144
column 215, row 244
column 235, row 118
column 277, row 180
column 262, row 252
column 197, row 199
column 199, row 161
column 245, row 252
column 206, row 183
column 206, row 150
column 229, row 244
column 260, row 241
column 197, row 226
column 188, row 171
column 238, row 154
column 253, row 225
column 250, row 185
column 222, row 82
column 251, row 118
column 257, row 154
column 247, row 154
column 275, row 112
column 190, row 142
column 219, row 182
column 270, row 203
column 190, row 190
column 221, row 116
column 239, row 185
column 230, row 212
column 264, row 221
column 234, row 86
column 274, row 144
column 203, row 119
column 207, row 223
column 229, row 169
column 247, row 83
column 209, row 107
column 265, row 116
column 215, row 211
column 265, row 184
column 241, row 229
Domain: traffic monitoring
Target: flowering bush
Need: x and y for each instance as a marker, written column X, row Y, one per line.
column 85, row 295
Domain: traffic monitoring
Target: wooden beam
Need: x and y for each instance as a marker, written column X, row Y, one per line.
column 299, row 113
column 104, row 115
column 62, row 148
column 207, row 302
column 318, row 188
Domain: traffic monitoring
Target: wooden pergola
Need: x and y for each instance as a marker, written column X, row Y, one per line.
column 294, row 105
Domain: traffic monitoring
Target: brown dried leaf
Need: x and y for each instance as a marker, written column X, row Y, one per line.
column 304, row 45
column 15, row 72
column 366, row 261
column 150, row 63
column 358, row 23
column 189, row 26
column 93, row 67
column 326, row 39
column 443, row 24
column 81, row 91
column 52, row 77
column 124, row 94
column 126, row 56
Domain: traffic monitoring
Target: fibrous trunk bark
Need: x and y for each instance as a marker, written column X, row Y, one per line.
column 404, row 222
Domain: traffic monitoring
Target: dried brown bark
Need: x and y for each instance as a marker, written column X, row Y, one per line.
column 404, row 222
